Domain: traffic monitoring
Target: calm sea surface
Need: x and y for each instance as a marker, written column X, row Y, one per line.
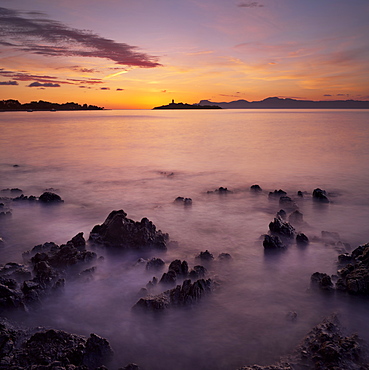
column 140, row 161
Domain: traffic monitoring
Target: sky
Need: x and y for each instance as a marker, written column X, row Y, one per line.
column 137, row 54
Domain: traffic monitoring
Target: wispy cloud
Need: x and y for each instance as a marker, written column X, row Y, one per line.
column 253, row 4
column 46, row 84
column 9, row 83
column 33, row 33
column 22, row 76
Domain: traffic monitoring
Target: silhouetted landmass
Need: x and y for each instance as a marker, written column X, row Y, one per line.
column 278, row 103
column 15, row 105
column 173, row 105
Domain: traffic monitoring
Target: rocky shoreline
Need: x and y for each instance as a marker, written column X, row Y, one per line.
column 48, row 267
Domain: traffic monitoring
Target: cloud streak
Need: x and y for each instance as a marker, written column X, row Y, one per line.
column 8, row 83
column 47, row 37
column 46, row 84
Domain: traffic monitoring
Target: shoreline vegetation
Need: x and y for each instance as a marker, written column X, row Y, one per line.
column 41, row 105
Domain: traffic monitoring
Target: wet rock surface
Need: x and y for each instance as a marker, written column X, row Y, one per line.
column 184, row 295
column 120, row 233
column 325, row 347
column 50, row 349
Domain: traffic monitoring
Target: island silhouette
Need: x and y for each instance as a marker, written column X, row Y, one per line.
column 15, row 105
column 288, row 103
column 174, row 105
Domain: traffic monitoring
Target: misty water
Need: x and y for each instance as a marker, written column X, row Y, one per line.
column 140, row 161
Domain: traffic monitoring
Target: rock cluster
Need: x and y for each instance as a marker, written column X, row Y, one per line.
column 50, row 349
column 325, row 347
column 183, row 295
column 120, row 233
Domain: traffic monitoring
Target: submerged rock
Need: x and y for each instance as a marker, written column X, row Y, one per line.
column 302, row 239
column 320, row 195
column 277, row 193
column 155, row 264
column 185, row 201
column 205, row 256
column 49, row 197
column 296, row 217
column 321, row 280
column 183, row 295
column 273, row 242
column 325, row 347
column 256, row 188
column 121, row 233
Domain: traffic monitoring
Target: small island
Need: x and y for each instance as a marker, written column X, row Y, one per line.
column 174, row 105
column 41, row 105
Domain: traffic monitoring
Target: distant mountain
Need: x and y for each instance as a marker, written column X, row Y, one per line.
column 174, row 105
column 278, row 103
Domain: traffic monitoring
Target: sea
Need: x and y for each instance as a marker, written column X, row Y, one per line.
column 141, row 161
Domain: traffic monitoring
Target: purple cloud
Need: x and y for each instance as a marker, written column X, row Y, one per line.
column 52, row 38
column 9, row 83
column 253, row 4
column 120, row 89
column 46, row 84
column 104, row 88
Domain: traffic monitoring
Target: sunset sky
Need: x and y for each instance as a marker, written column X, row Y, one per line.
column 137, row 54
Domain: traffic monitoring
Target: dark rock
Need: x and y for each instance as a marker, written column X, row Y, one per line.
column 320, row 195
column 256, row 188
column 280, row 227
column 179, row 267
column 97, row 352
column 78, row 242
column 185, row 201
column 300, row 194
column 121, row 233
column 296, row 217
column 321, row 280
column 16, row 190
column 224, row 257
column 345, row 258
column 15, row 271
column 197, row 272
column 220, row 190
column 180, row 296
column 168, row 278
column 282, row 214
column 277, row 193
column 273, row 242
column 155, row 264
column 325, row 348
column 302, row 239
column 205, row 256
column 49, row 197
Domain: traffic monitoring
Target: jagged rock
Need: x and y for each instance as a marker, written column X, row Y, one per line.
column 325, row 348
column 220, row 190
column 273, row 242
column 302, row 239
column 15, row 271
column 321, row 280
column 121, row 233
column 296, row 217
column 180, row 296
column 78, row 242
column 155, row 264
column 179, row 267
column 197, row 272
column 168, row 278
column 49, row 197
column 205, row 256
column 31, row 198
column 320, row 195
column 280, row 227
column 354, row 278
column 282, row 214
column 256, row 188
column 185, row 201
column 277, row 193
